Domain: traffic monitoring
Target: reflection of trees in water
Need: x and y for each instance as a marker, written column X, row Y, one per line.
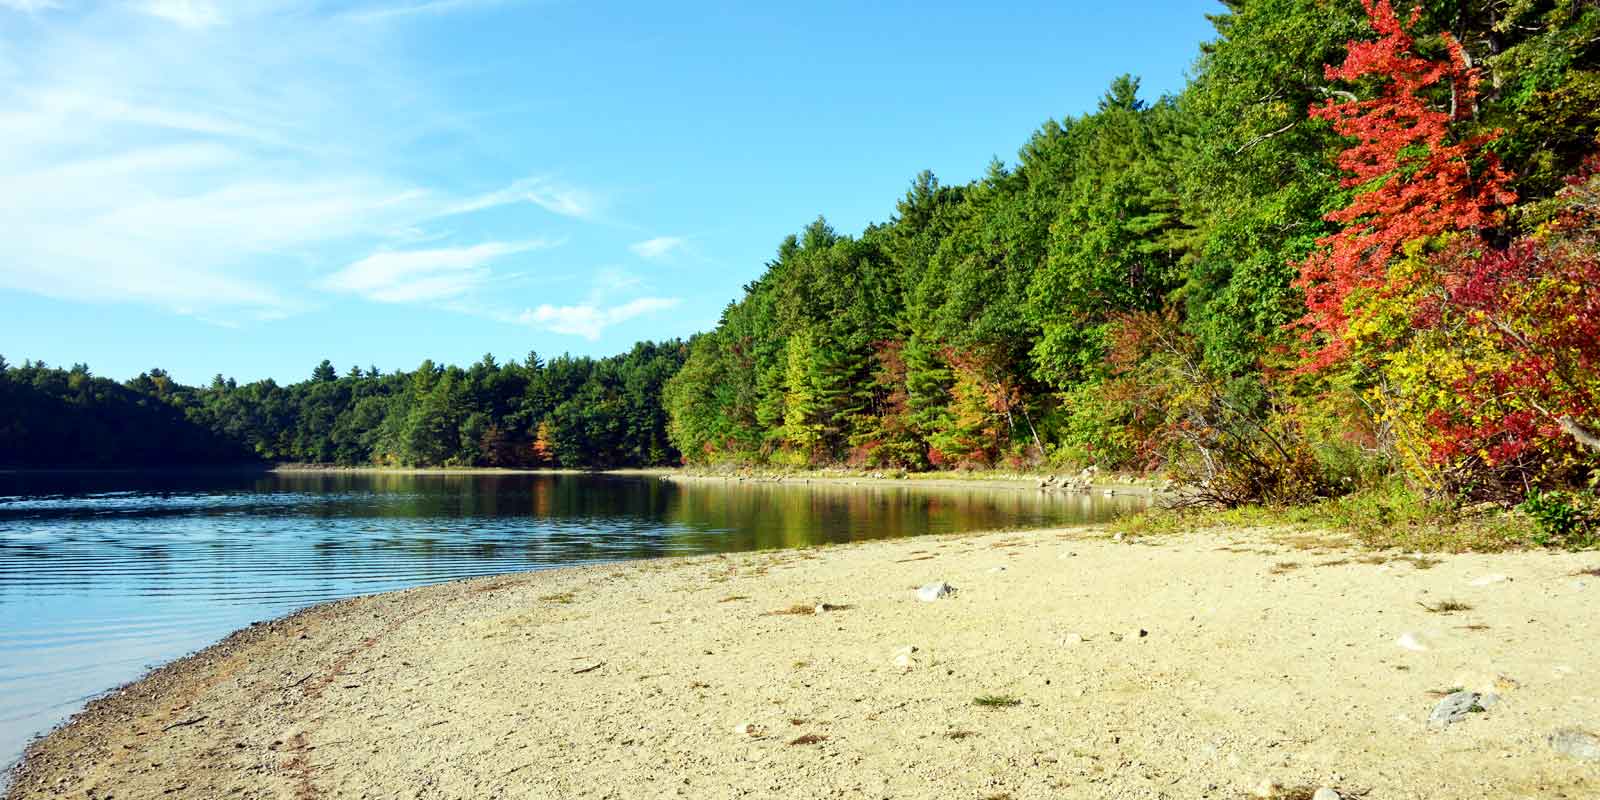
column 741, row 516
column 331, row 526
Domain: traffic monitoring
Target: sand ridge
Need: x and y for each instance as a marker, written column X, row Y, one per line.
column 1187, row 666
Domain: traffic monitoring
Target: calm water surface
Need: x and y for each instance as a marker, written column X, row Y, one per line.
column 104, row 577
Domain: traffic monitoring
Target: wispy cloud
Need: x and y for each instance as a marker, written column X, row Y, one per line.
column 412, row 276
column 589, row 320
column 194, row 14
column 213, row 164
column 401, row 10
column 550, row 195
column 657, row 248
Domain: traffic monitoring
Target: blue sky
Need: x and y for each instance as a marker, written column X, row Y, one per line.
column 251, row 186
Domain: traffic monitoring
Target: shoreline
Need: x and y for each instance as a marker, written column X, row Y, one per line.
column 1111, row 485
column 661, row 670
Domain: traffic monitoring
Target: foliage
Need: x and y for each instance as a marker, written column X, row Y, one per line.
column 1387, row 514
column 1411, row 179
column 571, row 412
column 1567, row 519
column 1495, row 387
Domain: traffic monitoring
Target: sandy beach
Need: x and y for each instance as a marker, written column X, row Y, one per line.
column 1210, row 664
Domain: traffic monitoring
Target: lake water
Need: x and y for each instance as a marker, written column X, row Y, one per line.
column 103, row 577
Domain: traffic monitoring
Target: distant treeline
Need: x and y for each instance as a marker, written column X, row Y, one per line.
column 567, row 412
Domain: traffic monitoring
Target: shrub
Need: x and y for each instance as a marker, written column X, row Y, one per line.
column 1564, row 519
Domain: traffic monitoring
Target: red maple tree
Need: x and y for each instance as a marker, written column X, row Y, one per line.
column 1411, row 179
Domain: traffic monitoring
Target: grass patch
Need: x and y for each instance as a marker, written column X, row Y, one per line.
column 1304, row 793
column 996, row 701
column 1283, row 567
column 807, row 610
column 564, row 598
column 809, row 738
column 734, row 598
column 798, row 609
column 1593, row 572
column 1446, row 607
column 1439, row 694
column 959, row 734
column 1386, row 516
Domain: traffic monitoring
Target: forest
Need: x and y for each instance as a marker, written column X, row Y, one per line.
column 1358, row 248
column 566, row 412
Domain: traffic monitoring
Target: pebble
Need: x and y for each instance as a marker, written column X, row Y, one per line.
column 935, row 591
column 1576, row 743
column 1267, row 788
column 747, row 729
column 1412, row 642
column 1072, row 639
column 997, row 569
column 1455, row 707
column 1489, row 580
column 1325, row 793
column 904, row 658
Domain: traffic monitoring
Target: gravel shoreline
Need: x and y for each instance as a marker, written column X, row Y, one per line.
column 1210, row 664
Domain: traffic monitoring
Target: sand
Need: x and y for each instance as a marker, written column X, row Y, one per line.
column 1199, row 665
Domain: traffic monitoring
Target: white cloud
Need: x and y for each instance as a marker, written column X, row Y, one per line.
column 589, row 320
column 657, row 248
column 216, row 175
column 194, row 14
column 557, row 198
column 381, row 13
column 413, row 276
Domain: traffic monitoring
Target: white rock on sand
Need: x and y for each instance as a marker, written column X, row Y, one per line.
column 1412, row 641
column 935, row 591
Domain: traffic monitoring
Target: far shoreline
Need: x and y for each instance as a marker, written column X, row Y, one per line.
column 1049, row 481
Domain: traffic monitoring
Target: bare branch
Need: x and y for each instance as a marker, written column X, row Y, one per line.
column 1263, row 137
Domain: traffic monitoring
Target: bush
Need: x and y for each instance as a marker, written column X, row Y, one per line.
column 1564, row 519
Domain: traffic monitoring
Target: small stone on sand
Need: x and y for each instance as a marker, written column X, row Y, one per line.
column 1576, row 743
